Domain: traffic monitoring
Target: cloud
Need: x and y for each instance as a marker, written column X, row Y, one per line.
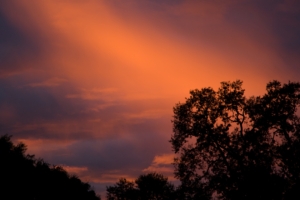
column 94, row 94
column 15, row 48
column 75, row 170
column 162, row 164
column 163, row 159
column 53, row 82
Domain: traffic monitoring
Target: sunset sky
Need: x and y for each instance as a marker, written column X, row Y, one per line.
column 91, row 84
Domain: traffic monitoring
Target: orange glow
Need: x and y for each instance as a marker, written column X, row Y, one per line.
column 100, row 45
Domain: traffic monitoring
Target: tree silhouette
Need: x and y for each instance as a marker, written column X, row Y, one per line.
column 233, row 147
column 24, row 177
column 151, row 186
column 122, row 190
column 154, row 186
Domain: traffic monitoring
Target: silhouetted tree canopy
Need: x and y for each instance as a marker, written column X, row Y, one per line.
column 233, row 147
column 150, row 186
column 24, row 177
column 122, row 190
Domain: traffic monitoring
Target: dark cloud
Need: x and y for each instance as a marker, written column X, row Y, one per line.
column 274, row 24
column 286, row 26
column 47, row 112
column 16, row 47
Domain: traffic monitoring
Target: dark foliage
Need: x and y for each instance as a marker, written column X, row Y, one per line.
column 233, row 147
column 24, row 177
column 122, row 190
column 151, row 186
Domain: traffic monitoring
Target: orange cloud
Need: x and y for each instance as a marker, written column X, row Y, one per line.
column 75, row 170
column 162, row 164
column 95, row 47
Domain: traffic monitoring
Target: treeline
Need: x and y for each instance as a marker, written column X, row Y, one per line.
column 24, row 177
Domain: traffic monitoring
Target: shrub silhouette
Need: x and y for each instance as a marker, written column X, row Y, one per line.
column 24, row 177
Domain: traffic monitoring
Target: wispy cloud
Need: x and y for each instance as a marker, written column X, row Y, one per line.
column 53, row 82
column 162, row 164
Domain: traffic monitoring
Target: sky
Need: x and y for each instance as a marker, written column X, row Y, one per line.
column 91, row 84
